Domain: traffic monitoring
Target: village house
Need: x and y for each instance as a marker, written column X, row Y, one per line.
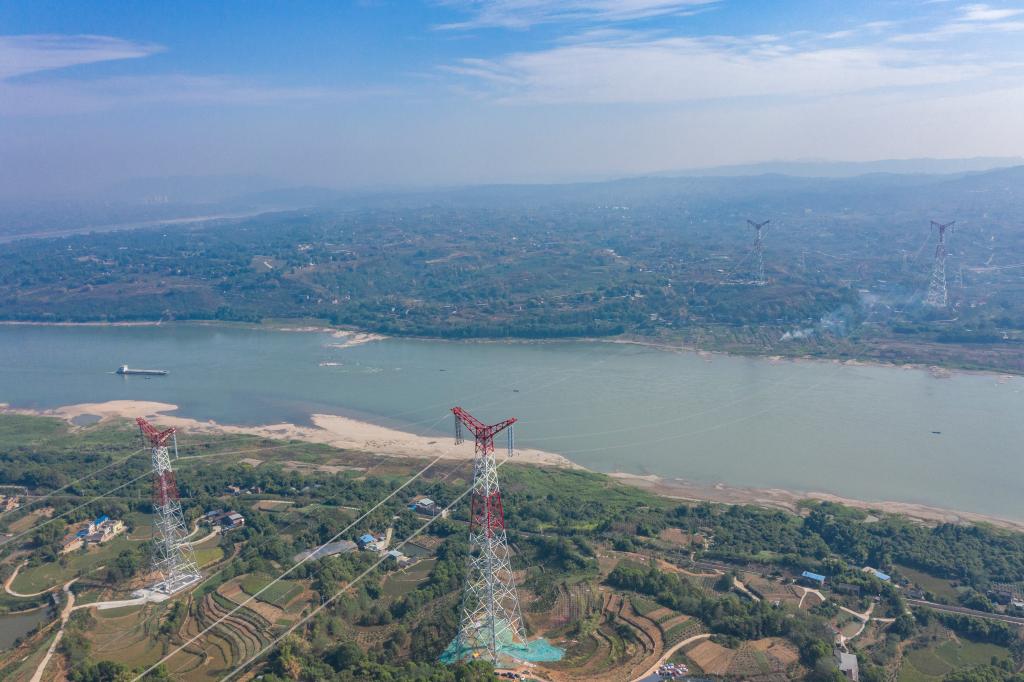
column 96, row 532
column 231, row 521
column 400, row 559
column 427, row 507
column 371, row 543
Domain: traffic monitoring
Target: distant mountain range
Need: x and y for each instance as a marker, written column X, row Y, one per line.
column 847, row 169
column 944, row 184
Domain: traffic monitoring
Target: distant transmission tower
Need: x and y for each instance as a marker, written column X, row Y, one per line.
column 173, row 559
column 937, row 296
column 759, row 252
column 491, row 618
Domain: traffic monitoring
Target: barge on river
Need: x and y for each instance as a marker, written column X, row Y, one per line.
column 126, row 371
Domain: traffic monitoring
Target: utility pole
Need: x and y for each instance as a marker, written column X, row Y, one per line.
column 760, row 280
column 173, row 559
column 490, row 615
column 937, row 295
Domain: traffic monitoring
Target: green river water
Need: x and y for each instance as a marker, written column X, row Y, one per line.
column 865, row 432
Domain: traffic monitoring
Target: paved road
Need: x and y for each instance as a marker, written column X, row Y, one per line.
column 966, row 611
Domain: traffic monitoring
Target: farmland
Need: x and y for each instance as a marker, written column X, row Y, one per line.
column 603, row 580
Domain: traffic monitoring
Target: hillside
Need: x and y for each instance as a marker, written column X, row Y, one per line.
column 668, row 259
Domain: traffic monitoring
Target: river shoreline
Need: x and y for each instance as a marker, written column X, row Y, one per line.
column 790, row 500
column 328, row 429
column 360, row 336
column 352, row 434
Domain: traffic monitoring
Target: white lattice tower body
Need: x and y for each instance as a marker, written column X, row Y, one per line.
column 490, row 612
column 760, row 279
column 173, row 558
column 938, row 295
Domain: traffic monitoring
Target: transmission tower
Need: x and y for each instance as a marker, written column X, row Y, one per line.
column 491, row 618
column 173, row 559
column 937, row 296
column 760, row 281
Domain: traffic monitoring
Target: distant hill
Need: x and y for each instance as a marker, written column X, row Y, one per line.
column 846, row 169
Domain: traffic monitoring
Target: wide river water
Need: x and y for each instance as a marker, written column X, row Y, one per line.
column 867, row 432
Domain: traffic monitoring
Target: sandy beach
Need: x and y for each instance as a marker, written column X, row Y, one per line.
column 789, row 500
column 328, row 429
column 352, row 434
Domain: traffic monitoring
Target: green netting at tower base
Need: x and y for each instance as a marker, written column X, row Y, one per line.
column 535, row 651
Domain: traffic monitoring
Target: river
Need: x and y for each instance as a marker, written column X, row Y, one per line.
column 866, row 432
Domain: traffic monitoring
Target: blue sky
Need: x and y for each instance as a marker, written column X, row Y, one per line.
column 381, row 93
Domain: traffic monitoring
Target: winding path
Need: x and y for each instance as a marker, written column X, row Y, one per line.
column 69, row 607
column 65, row 613
column 10, row 580
column 668, row 654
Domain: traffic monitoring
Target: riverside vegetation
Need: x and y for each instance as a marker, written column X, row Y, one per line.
column 662, row 259
column 614, row 574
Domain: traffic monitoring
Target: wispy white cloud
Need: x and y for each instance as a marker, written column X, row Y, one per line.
column 521, row 14
column 25, row 54
column 979, row 12
column 67, row 96
column 48, row 91
column 709, row 68
column 971, row 19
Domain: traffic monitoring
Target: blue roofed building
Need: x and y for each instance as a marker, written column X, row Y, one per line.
column 813, row 578
column 365, row 540
column 884, row 577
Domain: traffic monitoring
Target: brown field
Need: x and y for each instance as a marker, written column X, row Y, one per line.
column 712, row 658
column 30, row 519
column 675, row 536
column 779, row 649
column 232, row 589
column 128, row 635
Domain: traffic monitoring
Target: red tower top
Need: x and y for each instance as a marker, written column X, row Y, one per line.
column 157, row 438
column 483, row 433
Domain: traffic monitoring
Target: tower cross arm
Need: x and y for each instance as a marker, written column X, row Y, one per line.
column 155, row 437
column 479, row 429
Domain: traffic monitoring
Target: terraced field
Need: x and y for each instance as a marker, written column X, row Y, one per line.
column 129, row 635
column 624, row 644
column 234, row 639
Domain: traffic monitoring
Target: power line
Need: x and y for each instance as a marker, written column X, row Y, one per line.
column 348, row 587
column 76, row 481
column 74, row 509
column 288, row 571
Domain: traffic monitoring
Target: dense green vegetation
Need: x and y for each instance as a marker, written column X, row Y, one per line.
column 562, row 521
column 658, row 258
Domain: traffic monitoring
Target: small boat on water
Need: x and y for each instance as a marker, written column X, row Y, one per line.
column 125, row 370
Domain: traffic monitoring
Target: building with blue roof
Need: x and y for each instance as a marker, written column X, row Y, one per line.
column 813, row 577
column 100, row 520
column 365, row 540
column 884, row 577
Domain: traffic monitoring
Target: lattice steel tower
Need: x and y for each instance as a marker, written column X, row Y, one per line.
column 173, row 558
column 937, row 296
column 491, row 617
column 760, row 280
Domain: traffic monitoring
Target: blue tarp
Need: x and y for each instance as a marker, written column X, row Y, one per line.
column 537, row 651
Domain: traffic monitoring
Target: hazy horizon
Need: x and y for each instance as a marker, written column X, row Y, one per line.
column 458, row 92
